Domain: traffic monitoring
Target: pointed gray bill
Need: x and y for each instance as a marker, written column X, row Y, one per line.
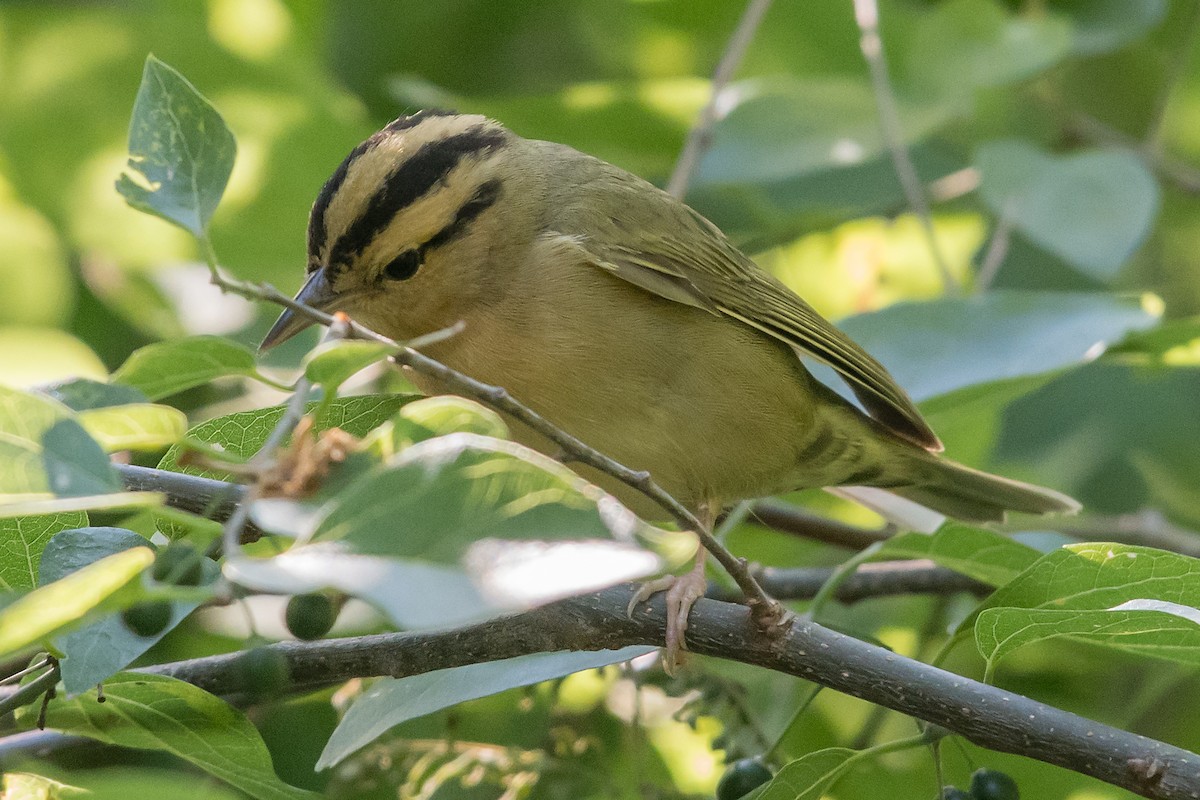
column 316, row 293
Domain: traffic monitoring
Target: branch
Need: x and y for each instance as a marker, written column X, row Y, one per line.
column 787, row 518
column 986, row 715
column 877, row 579
column 699, row 138
column 866, row 14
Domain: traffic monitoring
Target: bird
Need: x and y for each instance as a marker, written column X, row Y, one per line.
column 624, row 317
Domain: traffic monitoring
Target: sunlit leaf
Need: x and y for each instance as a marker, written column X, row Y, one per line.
column 180, row 149
column 164, row 368
column 391, row 701
column 332, row 363
column 433, row 416
column 22, row 540
column 141, row 426
column 68, row 603
column 24, row 418
column 153, row 712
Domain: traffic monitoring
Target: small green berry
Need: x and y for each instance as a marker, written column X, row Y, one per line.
column 310, row 616
column 262, row 672
column 147, row 619
column 954, row 793
column 742, row 777
column 989, row 784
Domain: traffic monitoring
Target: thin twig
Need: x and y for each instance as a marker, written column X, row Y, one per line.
column 17, row 676
column 790, row 519
column 699, row 138
column 877, row 579
column 866, row 14
column 30, row 692
column 997, row 249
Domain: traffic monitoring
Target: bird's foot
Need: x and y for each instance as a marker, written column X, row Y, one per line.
column 682, row 593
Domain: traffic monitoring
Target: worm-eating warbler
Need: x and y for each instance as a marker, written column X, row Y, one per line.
column 621, row 315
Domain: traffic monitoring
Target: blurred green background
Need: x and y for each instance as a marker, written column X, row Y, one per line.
column 1098, row 99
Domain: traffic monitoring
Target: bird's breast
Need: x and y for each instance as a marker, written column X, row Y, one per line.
column 714, row 410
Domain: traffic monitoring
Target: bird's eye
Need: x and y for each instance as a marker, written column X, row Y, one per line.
column 403, row 266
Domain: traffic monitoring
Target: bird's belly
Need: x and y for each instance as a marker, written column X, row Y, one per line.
column 713, row 410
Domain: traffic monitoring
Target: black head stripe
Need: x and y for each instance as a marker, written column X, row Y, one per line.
column 316, row 218
column 485, row 196
column 415, row 177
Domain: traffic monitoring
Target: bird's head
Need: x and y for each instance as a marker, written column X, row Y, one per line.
column 415, row 226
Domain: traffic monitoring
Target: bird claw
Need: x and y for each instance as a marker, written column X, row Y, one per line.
column 682, row 593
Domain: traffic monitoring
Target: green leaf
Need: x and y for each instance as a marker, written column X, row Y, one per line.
column 93, row 653
column 1166, row 635
column 165, row 368
column 143, row 426
column 76, row 466
column 22, row 540
column 437, row 496
column 400, row 589
column 242, row 434
column 1136, row 424
column 981, row 554
column 73, row 549
column 1105, row 25
column 92, row 502
column 433, row 416
column 942, row 345
column 1091, row 578
column 332, row 363
column 964, row 45
column 68, row 603
column 392, row 701
column 153, row 712
column 27, row 786
column 81, row 394
column 24, row 417
column 789, row 127
column 1091, row 209
column 809, row 776
column 180, row 151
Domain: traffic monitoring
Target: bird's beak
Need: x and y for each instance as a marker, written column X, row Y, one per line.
column 316, row 293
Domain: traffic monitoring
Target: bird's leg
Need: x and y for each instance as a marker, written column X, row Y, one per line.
column 682, row 593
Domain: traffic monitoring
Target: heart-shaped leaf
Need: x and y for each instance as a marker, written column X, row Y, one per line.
column 1091, row 209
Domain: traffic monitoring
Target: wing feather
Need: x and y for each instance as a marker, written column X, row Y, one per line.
column 689, row 260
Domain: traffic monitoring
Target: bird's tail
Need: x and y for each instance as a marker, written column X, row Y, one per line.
column 970, row 495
